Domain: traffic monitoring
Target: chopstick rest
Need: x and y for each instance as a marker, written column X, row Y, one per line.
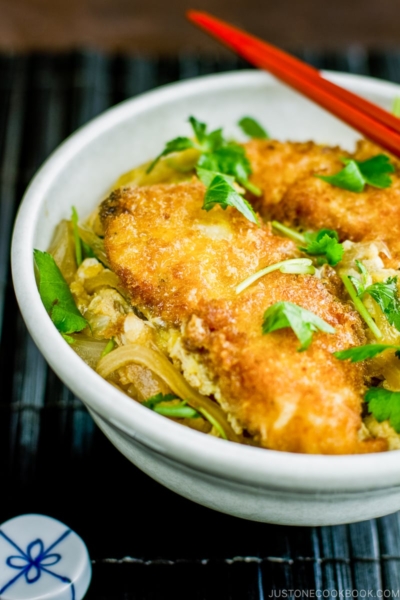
column 41, row 557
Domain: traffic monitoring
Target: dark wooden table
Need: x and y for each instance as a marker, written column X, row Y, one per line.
column 159, row 26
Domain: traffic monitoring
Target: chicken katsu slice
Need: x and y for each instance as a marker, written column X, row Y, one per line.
column 181, row 264
column 278, row 165
column 310, row 203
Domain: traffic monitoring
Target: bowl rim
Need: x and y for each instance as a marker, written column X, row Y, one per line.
column 244, row 464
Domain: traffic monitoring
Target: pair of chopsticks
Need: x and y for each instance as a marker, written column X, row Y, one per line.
column 369, row 119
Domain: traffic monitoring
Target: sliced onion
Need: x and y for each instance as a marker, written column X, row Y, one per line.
column 106, row 277
column 62, row 249
column 88, row 348
column 160, row 365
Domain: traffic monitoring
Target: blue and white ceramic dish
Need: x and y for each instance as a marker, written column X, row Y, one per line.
column 42, row 559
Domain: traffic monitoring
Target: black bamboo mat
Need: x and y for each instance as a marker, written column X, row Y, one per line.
column 146, row 542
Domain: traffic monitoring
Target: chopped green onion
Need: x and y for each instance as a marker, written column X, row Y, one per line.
column 360, row 306
column 178, row 411
column 181, row 410
column 78, row 245
column 292, row 265
column 290, row 233
column 213, row 422
column 110, row 346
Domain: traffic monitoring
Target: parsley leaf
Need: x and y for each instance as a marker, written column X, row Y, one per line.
column 363, row 352
column 324, row 243
column 176, row 145
column 56, row 295
column 385, row 406
column 218, row 156
column 253, row 129
column 303, row 322
column 206, row 142
column 221, row 190
column 386, row 295
column 230, row 160
column 357, row 174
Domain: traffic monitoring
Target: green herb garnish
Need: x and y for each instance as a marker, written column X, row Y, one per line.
column 294, row 235
column 80, row 245
column 364, row 352
column 224, row 159
column 324, row 243
column 303, row 322
column 77, row 239
column 357, row 174
column 299, row 266
column 56, row 295
column 221, row 190
column 178, row 411
column 154, row 400
column 230, row 159
column 109, row 347
column 384, row 406
column 253, row 129
column 385, row 294
column 359, row 306
column 176, row 145
column 181, row 410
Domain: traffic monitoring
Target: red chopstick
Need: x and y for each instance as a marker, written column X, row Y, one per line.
column 371, row 120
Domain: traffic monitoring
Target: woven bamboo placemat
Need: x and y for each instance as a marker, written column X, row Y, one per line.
column 145, row 541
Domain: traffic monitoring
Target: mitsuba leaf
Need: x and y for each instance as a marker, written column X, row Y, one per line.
column 56, row 295
column 153, row 400
column 375, row 171
column 304, row 323
column 252, row 128
column 360, row 353
column 357, row 174
column 386, row 295
column 384, row 405
column 360, row 282
column 176, row 145
column 218, row 156
column 221, row 190
column 324, row 243
column 178, row 411
column 199, row 129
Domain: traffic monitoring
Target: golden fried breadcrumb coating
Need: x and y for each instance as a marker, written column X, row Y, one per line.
column 181, row 264
column 292, row 194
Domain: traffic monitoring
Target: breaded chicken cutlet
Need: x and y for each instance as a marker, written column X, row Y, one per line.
column 291, row 193
column 181, row 265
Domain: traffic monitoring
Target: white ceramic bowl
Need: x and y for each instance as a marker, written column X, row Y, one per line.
column 253, row 483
